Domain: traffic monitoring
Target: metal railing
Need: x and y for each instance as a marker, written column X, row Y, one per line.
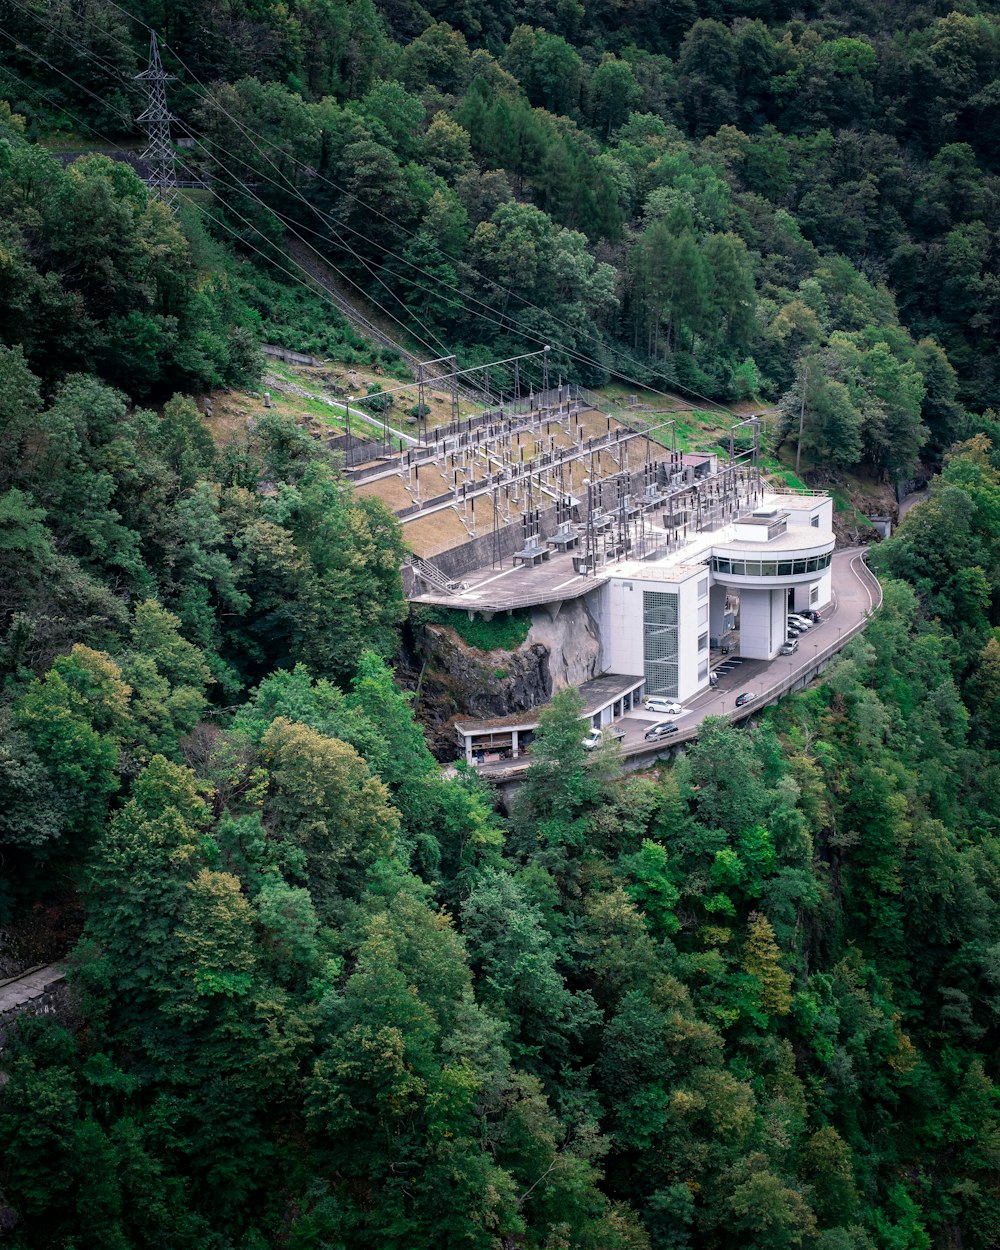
column 805, row 672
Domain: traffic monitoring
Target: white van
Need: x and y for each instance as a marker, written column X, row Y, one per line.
column 610, row 733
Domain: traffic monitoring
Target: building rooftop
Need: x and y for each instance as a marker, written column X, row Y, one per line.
column 800, row 503
column 798, row 538
column 653, row 571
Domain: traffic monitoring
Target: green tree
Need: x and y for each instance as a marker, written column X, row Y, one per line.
column 74, row 718
column 761, row 960
column 332, row 817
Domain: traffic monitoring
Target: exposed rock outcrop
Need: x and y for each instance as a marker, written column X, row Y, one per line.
column 455, row 680
column 571, row 640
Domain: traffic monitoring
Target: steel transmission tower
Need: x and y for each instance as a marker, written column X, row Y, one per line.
column 159, row 155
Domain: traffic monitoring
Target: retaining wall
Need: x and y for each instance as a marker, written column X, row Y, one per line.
column 482, row 550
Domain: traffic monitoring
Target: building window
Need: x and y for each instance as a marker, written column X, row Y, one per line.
column 815, row 522
column 767, row 568
column 703, row 670
column 703, row 641
column 703, row 614
column 703, row 588
column 659, row 641
column 813, row 595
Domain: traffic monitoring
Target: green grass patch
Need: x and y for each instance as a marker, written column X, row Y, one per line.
column 842, row 504
column 502, row 633
column 786, row 475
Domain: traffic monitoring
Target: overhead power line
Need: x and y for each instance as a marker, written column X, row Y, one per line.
column 335, row 225
column 374, row 209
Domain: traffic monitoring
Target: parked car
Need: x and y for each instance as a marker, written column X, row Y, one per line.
column 744, row 699
column 792, row 630
column 667, row 706
column 811, row 615
column 789, row 647
column 661, row 730
column 795, row 618
column 610, row 733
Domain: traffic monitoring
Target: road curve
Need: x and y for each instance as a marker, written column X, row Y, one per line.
column 856, row 596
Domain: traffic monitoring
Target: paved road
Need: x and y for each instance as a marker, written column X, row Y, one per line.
column 856, row 594
column 911, row 500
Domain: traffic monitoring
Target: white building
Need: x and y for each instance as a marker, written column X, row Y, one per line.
column 659, row 619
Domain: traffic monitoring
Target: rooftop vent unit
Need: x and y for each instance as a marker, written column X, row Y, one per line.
column 766, row 512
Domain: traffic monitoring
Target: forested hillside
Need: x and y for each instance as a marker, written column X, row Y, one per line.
column 737, row 200
column 327, row 997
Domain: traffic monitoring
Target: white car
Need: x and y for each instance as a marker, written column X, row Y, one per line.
column 795, row 619
column 665, row 707
column 610, row 733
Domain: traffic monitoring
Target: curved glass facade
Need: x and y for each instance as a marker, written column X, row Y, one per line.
column 770, row 568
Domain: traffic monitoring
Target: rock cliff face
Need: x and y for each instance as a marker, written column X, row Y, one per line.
column 455, row 680
column 571, row 641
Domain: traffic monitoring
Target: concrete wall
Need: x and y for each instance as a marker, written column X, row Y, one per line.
column 479, row 552
column 779, row 620
column 690, row 629
column 756, row 629
column 290, row 357
column 822, row 510
column 621, row 622
column 803, row 594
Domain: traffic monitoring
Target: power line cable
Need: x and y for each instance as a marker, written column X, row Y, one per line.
column 235, row 234
column 345, row 246
column 373, row 209
column 329, row 220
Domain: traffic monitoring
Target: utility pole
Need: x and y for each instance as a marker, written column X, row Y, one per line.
column 159, row 155
column 802, row 416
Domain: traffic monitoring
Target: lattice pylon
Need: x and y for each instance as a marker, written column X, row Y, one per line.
column 159, row 155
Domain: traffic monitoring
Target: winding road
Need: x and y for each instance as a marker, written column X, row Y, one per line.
column 856, row 595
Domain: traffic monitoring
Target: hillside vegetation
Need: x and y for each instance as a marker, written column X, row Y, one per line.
column 732, row 200
column 328, row 998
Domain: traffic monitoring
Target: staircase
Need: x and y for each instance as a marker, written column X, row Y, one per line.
column 429, row 572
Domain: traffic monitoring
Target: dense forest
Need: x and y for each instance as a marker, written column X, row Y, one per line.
column 736, row 200
column 326, row 997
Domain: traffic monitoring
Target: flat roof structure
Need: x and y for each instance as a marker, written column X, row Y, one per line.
column 557, row 579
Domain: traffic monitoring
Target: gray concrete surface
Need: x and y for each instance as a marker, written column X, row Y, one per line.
column 857, row 595
column 17, row 992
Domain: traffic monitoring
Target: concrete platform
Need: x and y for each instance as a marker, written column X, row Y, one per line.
column 516, row 586
column 857, row 595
